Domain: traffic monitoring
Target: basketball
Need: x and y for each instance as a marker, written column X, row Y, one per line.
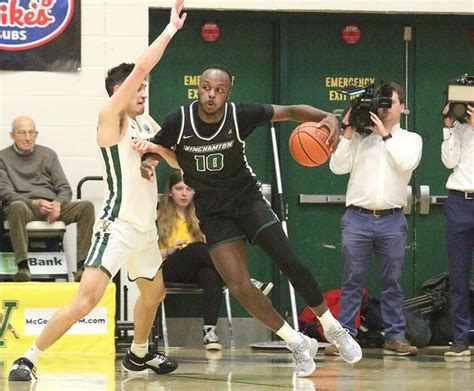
column 308, row 144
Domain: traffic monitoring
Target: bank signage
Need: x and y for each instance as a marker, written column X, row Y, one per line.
column 47, row 263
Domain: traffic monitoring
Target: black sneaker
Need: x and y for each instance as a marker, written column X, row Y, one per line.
column 22, row 370
column 157, row 362
column 458, row 349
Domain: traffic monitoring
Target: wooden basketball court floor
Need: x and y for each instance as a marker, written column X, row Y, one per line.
column 249, row 369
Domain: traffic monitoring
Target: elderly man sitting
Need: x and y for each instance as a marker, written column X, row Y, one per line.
column 33, row 187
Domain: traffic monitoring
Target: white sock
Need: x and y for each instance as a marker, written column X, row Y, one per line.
column 139, row 349
column 288, row 334
column 33, row 353
column 327, row 320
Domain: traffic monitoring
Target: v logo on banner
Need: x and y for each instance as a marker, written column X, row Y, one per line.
column 5, row 325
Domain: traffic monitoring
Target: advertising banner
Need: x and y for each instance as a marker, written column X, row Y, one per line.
column 40, row 35
column 26, row 307
column 40, row 264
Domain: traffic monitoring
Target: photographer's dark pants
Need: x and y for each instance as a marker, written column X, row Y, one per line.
column 193, row 264
column 459, row 213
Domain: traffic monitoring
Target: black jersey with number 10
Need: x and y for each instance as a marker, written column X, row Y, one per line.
column 216, row 162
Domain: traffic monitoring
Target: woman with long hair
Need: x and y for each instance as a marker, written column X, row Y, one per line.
column 185, row 254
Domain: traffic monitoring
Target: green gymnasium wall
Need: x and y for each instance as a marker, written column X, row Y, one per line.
column 290, row 58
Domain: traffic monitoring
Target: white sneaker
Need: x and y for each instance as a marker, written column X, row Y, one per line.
column 303, row 354
column 211, row 341
column 348, row 348
column 265, row 287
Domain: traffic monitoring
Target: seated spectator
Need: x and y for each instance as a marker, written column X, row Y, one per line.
column 185, row 254
column 33, row 187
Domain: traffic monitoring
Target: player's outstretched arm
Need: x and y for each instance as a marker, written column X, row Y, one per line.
column 305, row 113
column 113, row 109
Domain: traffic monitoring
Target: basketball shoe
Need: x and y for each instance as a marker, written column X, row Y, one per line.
column 348, row 348
column 304, row 353
column 22, row 370
column 265, row 287
column 156, row 362
column 211, row 341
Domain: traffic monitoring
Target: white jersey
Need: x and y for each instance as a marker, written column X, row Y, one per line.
column 128, row 196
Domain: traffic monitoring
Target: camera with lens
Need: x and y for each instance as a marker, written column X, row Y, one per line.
column 460, row 94
column 365, row 100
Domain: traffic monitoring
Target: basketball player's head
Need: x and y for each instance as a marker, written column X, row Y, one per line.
column 214, row 89
column 115, row 77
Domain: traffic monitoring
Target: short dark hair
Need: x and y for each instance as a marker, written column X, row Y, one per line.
column 220, row 68
column 117, row 75
column 394, row 87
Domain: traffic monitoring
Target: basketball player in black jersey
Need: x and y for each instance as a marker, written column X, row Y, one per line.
column 207, row 137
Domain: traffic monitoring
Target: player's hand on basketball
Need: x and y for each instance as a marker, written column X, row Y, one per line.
column 147, row 168
column 330, row 122
column 175, row 19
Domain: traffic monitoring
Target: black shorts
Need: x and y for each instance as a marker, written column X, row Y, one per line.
column 243, row 218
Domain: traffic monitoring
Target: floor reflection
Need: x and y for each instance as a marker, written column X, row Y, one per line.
column 246, row 369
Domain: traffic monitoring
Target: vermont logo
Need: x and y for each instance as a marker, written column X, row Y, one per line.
column 5, row 324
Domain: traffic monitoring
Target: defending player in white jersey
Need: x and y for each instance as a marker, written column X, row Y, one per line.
column 125, row 231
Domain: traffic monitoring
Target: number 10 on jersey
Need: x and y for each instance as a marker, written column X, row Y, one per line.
column 212, row 162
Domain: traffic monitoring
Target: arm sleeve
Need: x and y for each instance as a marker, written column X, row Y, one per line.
column 168, row 135
column 406, row 152
column 451, row 148
column 341, row 160
column 251, row 116
column 58, row 179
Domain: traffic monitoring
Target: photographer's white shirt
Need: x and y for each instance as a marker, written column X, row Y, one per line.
column 379, row 170
column 457, row 152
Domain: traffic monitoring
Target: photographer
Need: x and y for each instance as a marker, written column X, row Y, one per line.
column 380, row 165
column 457, row 152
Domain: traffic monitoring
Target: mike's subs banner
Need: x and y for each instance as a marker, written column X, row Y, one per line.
column 26, row 308
column 40, row 35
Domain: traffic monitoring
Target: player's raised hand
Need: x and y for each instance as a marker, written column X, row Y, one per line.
column 175, row 19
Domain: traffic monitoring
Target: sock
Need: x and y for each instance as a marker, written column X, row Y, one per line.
column 139, row 349
column 288, row 334
column 33, row 353
column 23, row 264
column 327, row 320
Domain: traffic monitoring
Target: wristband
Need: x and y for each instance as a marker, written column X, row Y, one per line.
column 388, row 136
column 170, row 30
